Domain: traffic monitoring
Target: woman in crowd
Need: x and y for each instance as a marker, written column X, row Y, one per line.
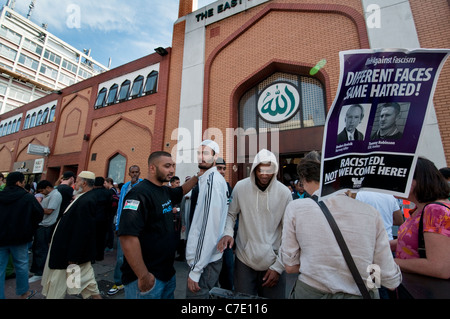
column 430, row 223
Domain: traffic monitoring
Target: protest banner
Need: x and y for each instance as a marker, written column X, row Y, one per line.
column 374, row 126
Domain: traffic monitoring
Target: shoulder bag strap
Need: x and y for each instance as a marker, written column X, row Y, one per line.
column 421, row 246
column 348, row 257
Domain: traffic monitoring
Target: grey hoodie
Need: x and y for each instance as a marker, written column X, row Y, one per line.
column 261, row 218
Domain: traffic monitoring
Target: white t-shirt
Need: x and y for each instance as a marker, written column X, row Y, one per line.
column 385, row 204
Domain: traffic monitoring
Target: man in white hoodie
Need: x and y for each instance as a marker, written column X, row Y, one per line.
column 207, row 225
column 261, row 200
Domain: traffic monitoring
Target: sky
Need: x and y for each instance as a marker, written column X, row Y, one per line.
column 122, row 31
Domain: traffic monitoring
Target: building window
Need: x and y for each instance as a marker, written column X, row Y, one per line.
column 124, row 93
column 9, row 128
column 51, row 118
column 39, row 118
column 33, row 120
column 52, row 57
column 137, row 86
column 18, row 124
column 151, row 84
column 9, row 34
column 33, row 47
column 48, row 71
column 7, row 52
column 27, row 122
column 28, row 62
column 116, row 168
column 311, row 110
column 13, row 129
column 45, row 116
column 112, row 95
column 69, row 66
column 5, row 127
column 101, row 98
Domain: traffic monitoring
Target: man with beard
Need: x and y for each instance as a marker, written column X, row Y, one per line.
column 147, row 233
column 68, row 268
column 259, row 201
column 207, row 225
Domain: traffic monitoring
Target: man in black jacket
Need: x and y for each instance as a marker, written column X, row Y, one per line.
column 20, row 215
column 68, row 268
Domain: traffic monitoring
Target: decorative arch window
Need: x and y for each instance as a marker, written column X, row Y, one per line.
column 8, row 131
column 44, row 119
column 19, row 121
column 116, row 168
column 284, row 101
column 124, row 92
column 112, row 95
column 1, row 129
column 39, row 118
column 33, row 120
column 5, row 128
column 101, row 98
column 51, row 118
column 151, row 83
column 27, row 122
column 137, row 88
column 13, row 128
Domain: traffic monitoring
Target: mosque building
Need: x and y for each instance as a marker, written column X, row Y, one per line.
column 225, row 59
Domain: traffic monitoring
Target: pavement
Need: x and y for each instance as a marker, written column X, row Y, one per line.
column 104, row 274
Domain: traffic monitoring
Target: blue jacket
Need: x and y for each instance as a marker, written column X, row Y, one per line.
column 123, row 191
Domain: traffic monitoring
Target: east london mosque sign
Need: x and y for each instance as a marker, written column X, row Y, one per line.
column 222, row 9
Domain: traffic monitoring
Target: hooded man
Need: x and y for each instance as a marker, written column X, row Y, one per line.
column 20, row 215
column 261, row 200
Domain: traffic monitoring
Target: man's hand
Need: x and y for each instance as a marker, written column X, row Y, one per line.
column 193, row 285
column 146, row 282
column 270, row 278
column 225, row 242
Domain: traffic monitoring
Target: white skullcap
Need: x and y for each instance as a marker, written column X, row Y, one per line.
column 87, row 175
column 213, row 145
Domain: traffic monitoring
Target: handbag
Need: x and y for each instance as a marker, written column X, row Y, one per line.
column 348, row 257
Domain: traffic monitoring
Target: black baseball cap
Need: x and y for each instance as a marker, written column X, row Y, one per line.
column 68, row 175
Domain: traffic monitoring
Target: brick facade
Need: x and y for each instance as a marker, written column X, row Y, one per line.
column 432, row 19
column 288, row 36
column 132, row 128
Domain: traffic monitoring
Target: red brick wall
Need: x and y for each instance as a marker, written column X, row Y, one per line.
column 289, row 33
column 432, row 19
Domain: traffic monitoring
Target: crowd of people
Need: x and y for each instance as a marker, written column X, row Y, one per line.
column 245, row 239
column 59, row 227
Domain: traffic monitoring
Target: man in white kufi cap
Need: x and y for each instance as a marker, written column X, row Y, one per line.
column 68, row 268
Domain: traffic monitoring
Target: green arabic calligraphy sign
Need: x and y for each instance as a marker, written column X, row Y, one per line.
column 278, row 103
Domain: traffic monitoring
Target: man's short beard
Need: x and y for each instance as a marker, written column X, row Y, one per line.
column 205, row 165
column 161, row 177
